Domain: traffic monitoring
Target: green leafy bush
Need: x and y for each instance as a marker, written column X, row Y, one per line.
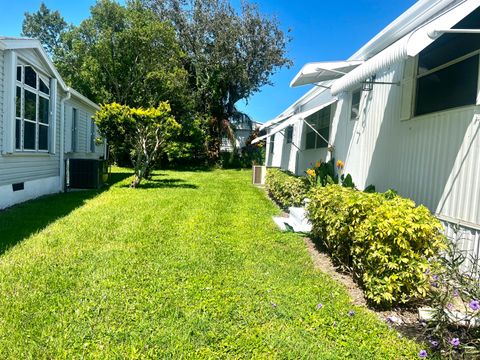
column 384, row 241
column 285, row 188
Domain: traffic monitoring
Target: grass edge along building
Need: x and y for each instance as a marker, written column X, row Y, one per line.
column 43, row 124
column 403, row 112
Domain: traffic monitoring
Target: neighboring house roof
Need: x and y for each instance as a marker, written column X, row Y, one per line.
column 14, row 43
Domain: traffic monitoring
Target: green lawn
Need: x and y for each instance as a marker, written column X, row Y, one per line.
column 189, row 266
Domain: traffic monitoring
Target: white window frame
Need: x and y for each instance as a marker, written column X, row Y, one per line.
column 287, row 130
column 38, row 94
column 308, row 130
column 438, row 68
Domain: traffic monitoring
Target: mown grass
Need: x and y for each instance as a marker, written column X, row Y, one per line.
column 188, row 266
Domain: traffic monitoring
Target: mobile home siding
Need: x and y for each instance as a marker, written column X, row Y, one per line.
column 25, row 167
column 2, row 79
column 84, row 118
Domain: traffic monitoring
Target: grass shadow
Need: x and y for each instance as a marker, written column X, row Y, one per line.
column 23, row 220
column 164, row 183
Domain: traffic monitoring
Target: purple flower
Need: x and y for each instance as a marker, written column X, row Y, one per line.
column 422, row 354
column 455, row 342
column 434, row 344
column 450, row 306
column 435, row 277
column 455, row 292
column 427, row 271
column 434, row 284
column 351, row 313
column 319, row 306
column 474, row 305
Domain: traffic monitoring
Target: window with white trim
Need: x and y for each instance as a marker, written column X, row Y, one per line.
column 32, row 110
column 272, row 143
column 355, row 104
column 289, row 134
column 321, row 122
column 447, row 70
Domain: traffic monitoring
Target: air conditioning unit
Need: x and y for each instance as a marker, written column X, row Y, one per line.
column 259, row 172
column 86, row 173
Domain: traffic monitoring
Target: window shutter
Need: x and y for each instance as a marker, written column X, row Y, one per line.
column 68, row 129
column 10, row 71
column 407, row 89
column 53, row 116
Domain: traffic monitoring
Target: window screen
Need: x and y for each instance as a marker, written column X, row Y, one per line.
column 355, row 108
column 321, row 122
column 447, row 88
column 447, row 71
column 289, row 134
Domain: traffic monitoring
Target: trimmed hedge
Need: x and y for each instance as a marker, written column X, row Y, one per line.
column 386, row 241
column 285, row 188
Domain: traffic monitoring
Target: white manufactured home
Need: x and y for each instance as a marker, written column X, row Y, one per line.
column 403, row 112
column 43, row 123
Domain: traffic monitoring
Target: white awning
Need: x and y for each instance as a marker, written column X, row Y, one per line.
column 260, row 138
column 312, row 73
column 275, row 120
column 408, row 46
column 293, row 119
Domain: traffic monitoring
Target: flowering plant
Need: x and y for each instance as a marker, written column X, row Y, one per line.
column 455, row 300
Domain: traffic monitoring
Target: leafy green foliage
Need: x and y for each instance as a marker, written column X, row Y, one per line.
column 385, row 242
column 45, row 25
column 454, row 299
column 145, row 131
column 188, row 267
column 286, row 189
column 230, row 54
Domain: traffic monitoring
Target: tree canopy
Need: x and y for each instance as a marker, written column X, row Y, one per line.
column 230, row 55
column 46, row 26
column 202, row 56
column 146, row 132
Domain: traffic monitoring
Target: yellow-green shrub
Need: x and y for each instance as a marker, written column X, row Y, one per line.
column 385, row 242
column 285, row 188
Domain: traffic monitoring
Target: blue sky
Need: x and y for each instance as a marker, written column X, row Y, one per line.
column 321, row 30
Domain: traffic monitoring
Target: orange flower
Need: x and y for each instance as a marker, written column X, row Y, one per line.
column 317, row 164
column 340, row 164
column 311, row 172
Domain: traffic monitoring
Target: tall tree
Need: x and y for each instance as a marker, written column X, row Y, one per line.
column 123, row 54
column 46, row 26
column 230, row 55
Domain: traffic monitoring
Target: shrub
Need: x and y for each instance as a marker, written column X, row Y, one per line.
column 285, row 188
column 455, row 303
column 384, row 241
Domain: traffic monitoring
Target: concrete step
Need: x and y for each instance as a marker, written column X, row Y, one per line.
column 289, row 223
column 299, row 214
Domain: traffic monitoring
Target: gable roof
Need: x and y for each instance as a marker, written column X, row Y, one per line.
column 15, row 43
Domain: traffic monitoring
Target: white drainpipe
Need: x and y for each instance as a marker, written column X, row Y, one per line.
column 62, row 138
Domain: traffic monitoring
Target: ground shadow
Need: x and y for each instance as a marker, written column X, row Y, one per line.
column 164, row 183
column 20, row 221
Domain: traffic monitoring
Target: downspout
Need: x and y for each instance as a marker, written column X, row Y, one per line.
column 62, row 137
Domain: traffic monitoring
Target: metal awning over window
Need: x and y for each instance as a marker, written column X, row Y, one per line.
column 276, row 120
column 294, row 119
column 408, row 46
column 312, row 73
